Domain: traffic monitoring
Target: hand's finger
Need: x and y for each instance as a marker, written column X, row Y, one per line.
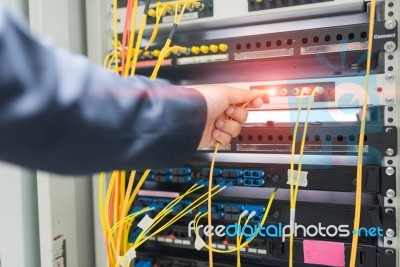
column 240, row 96
column 256, row 103
column 222, row 137
column 230, row 127
column 238, row 114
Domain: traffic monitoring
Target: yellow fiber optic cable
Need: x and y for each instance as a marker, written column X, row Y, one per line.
column 138, row 186
column 209, row 217
column 165, row 49
column 271, row 199
column 357, row 212
column 124, row 206
column 139, row 40
column 111, row 248
column 184, row 212
column 160, row 8
column 293, row 191
column 188, row 209
column 160, row 216
column 131, row 38
column 239, row 239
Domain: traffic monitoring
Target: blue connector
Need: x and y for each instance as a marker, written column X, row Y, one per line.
column 226, row 184
column 229, row 184
column 232, row 173
column 147, row 264
column 257, row 208
column 256, row 218
column 217, row 206
column 235, row 181
column 253, row 174
column 218, row 180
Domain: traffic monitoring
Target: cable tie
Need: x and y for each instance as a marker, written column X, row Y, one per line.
column 199, row 242
column 145, row 223
column 127, row 259
column 292, row 219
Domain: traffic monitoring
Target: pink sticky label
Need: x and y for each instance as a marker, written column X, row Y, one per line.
column 324, row 253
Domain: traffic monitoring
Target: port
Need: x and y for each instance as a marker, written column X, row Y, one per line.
column 232, row 173
column 253, row 174
column 206, row 172
column 181, row 171
column 253, row 182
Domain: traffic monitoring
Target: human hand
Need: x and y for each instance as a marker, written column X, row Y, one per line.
column 225, row 112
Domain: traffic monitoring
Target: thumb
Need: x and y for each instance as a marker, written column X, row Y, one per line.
column 239, row 96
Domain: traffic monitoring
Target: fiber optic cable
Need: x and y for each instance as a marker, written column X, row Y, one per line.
column 104, row 214
column 138, row 40
column 168, row 209
column 293, row 191
column 181, row 214
column 125, row 34
column 131, row 39
column 138, row 186
column 239, row 236
column 160, row 9
column 263, row 220
column 164, row 51
column 357, row 212
column 125, row 201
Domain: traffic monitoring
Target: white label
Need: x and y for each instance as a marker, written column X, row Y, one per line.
column 303, row 178
column 199, row 242
column 202, row 59
column 262, row 251
column 186, row 16
column 145, row 223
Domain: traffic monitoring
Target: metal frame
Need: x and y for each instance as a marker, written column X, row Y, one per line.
column 99, row 21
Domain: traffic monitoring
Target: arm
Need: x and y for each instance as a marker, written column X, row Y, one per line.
column 60, row 113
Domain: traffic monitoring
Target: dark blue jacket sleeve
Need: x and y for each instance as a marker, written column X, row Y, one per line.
column 60, row 113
